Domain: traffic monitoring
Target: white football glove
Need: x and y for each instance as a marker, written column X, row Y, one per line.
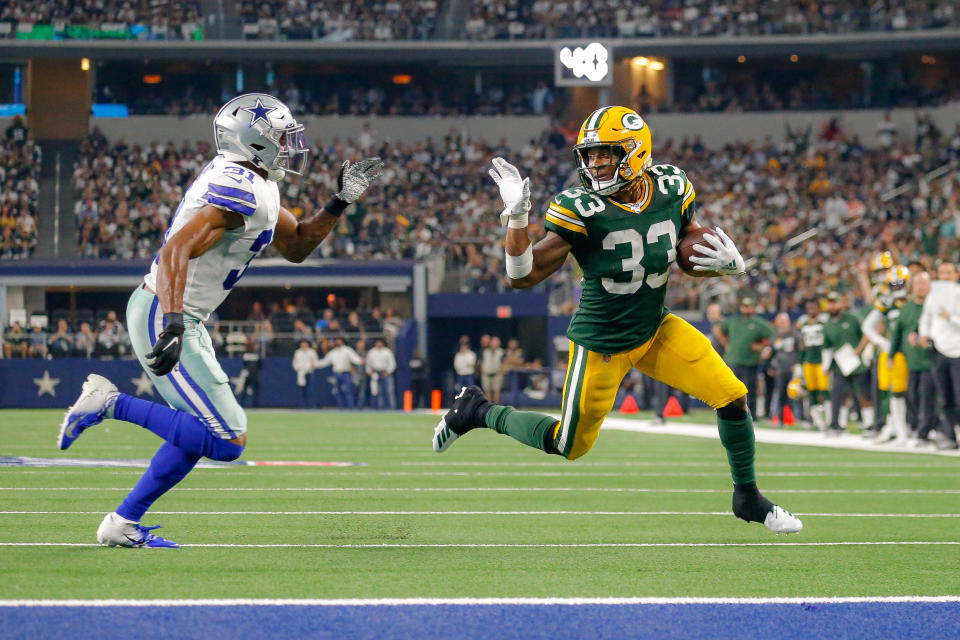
column 721, row 256
column 515, row 193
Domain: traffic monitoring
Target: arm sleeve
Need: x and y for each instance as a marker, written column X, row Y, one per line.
column 869, row 328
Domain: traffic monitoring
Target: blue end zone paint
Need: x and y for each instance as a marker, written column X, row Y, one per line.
column 833, row 621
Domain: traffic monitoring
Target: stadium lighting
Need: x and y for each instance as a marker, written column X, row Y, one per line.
column 656, row 65
column 794, row 58
column 741, row 59
column 154, row 78
column 640, row 61
column 84, row 64
column 402, row 78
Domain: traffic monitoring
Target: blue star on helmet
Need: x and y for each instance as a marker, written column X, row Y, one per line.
column 259, row 112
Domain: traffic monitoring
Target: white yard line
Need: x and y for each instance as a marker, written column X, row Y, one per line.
column 388, row 602
column 507, row 545
column 504, row 490
column 488, row 513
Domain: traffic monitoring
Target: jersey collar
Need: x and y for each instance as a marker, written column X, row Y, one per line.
column 640, row 205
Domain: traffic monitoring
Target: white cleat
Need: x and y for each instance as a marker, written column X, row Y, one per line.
column 443, row 437
column 117, row 531
column 780, row 520
column 96, row 397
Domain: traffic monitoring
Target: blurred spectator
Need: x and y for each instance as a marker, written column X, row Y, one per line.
column 492, row 369
column 17, row 132
column 305, row 361
column 61, row 343
column 85, row 341
column 381, row 364
column 464, row 363
column 111, row 339
column 513, row 357
column 359, row 375
column 217, row 339
column 419, row 379
column 16, row 344
column 38, row 341
column 342, row 359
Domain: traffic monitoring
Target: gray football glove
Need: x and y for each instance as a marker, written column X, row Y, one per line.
column 355, row 178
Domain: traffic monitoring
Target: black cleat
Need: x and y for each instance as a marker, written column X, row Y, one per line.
column 469, row 409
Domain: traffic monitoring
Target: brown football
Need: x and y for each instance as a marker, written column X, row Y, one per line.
column 685, row 252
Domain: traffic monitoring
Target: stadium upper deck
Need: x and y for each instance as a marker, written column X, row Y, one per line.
column 459, row 19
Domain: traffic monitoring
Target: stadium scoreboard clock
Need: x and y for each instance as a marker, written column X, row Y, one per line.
column 582, row 64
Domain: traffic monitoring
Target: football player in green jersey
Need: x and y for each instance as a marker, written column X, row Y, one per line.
column 622, row 226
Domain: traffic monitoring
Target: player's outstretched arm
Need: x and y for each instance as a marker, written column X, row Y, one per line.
column 526, row 264
column 191, row 241
column 296, row 239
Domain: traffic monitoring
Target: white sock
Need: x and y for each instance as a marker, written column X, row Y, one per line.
column 898, row 417
column 843, row 416
column 818, row 417
column 866, row 418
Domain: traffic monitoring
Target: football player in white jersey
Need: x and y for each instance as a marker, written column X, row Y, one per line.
column 227, row 216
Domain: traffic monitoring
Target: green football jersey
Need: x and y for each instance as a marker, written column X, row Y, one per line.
column 811, row 331
column 625, row 253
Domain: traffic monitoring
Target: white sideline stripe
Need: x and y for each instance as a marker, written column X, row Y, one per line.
column 769, row 436
column 381, row 602
column 502, row 489
column 487, row 513
column 520, row 545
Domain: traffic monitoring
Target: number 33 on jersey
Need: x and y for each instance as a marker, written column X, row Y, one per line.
column 625, row 252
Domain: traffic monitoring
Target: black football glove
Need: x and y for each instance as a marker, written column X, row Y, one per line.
column 166, row 353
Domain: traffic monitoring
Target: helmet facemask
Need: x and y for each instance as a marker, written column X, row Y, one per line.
column 619, row 159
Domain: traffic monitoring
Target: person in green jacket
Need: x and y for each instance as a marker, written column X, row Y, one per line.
column 743, row 336
column 843, row 328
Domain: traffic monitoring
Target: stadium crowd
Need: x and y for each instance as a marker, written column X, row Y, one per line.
column 436, row 200
column 517, row 19
column 87, row 19
column 338, row 21
column 19, row 190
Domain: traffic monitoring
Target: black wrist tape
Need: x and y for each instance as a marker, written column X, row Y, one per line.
column 335, row 206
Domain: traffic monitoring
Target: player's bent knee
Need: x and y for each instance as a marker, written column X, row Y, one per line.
column 225, row 450
column 736, row 410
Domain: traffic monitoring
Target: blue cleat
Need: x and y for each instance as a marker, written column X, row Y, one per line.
column 116, row 531
column 96, row 398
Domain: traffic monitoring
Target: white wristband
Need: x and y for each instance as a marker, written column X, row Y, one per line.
column 520, row 266
column 513, row 220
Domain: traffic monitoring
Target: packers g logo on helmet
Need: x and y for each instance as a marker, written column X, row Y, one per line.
column 626, row 135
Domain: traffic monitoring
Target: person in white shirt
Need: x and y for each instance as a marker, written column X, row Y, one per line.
column 464, row 364
column 380, row 367
column 940, row 327
column 305, row 360
column 342, row 359
column 491, row 369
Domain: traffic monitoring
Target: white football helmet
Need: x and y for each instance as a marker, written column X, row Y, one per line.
column 258, row 128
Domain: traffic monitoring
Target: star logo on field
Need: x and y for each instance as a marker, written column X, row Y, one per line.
column 259, row 112
column 46, row 384
column 144, row 384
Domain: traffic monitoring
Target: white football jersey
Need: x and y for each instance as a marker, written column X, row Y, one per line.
column 231, row 187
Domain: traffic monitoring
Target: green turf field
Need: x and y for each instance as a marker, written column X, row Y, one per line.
column 380, row 530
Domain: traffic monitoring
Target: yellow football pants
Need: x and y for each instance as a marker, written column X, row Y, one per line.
column 815, row 378
column 678, row 355
column 894, row 379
